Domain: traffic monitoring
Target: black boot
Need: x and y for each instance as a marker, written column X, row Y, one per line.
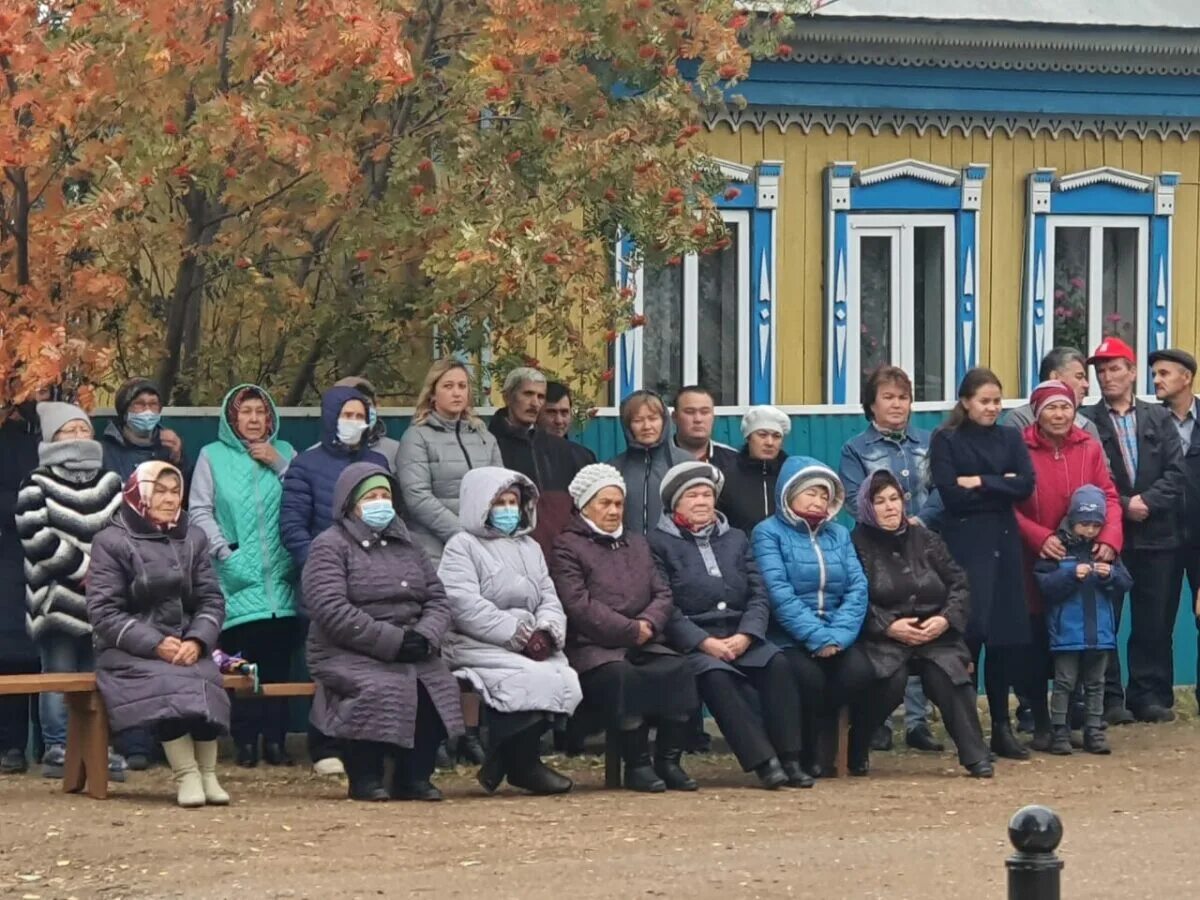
column 635, row 751
column 668, row 751
column 470, row 748
column 921, row 738
column 883, row 739
column 364, row 769
column 276, row 755
column 797, row 777
column 1060, row 741
column 526, row 769
column 492, row 772
column 442, row 761
column 1005, row 743
column 858, row 757
column 247, row 755
column 1096, row 741
column 770, row 774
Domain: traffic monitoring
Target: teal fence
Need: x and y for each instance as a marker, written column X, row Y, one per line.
column 818, row 435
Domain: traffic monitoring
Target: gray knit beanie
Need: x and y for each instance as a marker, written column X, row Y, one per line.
column 53, row 416
column 687, row 475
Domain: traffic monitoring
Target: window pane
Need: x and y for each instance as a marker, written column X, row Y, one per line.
column 875, row 300
column 1072, row 256
column 662, row 336
column 929, row 304
column 717, row 315
column 1119, row 297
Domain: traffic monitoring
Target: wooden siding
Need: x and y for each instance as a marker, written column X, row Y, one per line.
column 801, row 250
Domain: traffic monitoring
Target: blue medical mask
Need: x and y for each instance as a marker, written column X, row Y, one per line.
column 505, row 518
column 350, row 431
column 378, row 514
column 143, row 422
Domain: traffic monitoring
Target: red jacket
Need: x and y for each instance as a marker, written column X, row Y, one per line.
column 1059, row 472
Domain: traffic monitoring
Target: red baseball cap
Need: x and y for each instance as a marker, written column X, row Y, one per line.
column 1113, row 348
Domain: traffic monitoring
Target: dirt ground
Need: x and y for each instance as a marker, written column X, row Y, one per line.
column 914, row 829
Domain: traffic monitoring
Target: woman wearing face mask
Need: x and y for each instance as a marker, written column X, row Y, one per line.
column 509, row 628
column 156, row 609
column 981, row 472
column 235, row 500
column 63, row 505
column 918, row 611
column 618, row 606
column 721, row 625
column 818, row 599
column 137, row 435
column 306, row 507
column 379, row 616
column 650, row 453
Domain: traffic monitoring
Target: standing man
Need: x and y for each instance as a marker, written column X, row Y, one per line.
column 556, row 417
column 1068, row 365
column 1174, row 374
column 1144, row 454
column 695, row 415
column 136, row 435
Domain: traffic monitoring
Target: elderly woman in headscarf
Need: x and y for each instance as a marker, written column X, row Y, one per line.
column 918, row 599
column 156, row 611
column 509, row 628
column 721, row 624
column 379, row 615
column 618, row 607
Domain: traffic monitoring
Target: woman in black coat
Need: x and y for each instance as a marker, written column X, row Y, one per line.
column 720, row 622
column 982, row 471
column 918, row 610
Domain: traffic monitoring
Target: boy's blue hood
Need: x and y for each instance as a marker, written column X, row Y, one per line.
column 801, row 468
column 332, row 402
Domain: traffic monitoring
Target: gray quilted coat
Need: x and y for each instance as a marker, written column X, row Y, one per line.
column 144, row 585
column 364, row 590
column 434, row 456
column 501, row 592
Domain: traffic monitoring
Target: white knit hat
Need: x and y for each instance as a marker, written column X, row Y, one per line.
column 765, row 418
column 591, row 480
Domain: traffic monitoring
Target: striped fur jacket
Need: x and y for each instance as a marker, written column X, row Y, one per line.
column 56, row 521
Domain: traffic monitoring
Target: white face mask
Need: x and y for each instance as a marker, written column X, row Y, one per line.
column 350, row 431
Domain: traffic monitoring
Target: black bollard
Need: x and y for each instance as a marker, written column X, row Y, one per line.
column 1034, row 871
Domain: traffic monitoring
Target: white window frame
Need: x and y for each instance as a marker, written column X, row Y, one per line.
column 900, row 228
column 1096, row 226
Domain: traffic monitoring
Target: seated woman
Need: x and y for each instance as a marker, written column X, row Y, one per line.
column 618, row 606
column 721, row 624
column 918, row 610
column 818, row 597
column 156, row 611
column 509, row 628
column 378, row 615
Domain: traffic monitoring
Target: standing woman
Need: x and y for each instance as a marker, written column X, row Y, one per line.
column 156, row 610
column 618, row 607
column 235, row 499
column 509, row 628
column 650, row 453
column 749, row 494
column 982, row 472
column 379, row 615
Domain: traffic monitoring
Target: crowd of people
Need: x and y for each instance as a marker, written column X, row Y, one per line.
column 572, row 596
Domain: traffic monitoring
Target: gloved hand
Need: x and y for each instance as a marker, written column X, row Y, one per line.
column 539, row 646
column 413, row 648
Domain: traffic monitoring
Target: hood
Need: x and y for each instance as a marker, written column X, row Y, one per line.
column 225, row 432
column 1034, row 439
column 479, row 490
column 796, row 468
column 354, row 475
column 668, row 433
column 332, row 402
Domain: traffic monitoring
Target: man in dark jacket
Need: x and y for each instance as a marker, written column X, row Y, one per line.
column 695, row 415
column 547, row 460
column 136, row 435
column 1144, row 454
column 556, row 417
column 18, row 656
column 1174, row 373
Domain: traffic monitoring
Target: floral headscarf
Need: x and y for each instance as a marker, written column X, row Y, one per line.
column 253, row 392
column 867, row 493
column 140, row 486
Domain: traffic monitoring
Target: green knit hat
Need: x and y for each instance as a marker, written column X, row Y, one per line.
column 369, row 484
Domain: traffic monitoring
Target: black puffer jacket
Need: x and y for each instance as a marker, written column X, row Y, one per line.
column 749, row 494
column 18, row 457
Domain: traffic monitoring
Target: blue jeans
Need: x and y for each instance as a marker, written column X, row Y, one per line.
column 915, row 705
column 61, row 654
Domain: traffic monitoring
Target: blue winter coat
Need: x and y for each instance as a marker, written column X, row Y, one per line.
column 1080, row 615
column 814, row 580
column 308, row 485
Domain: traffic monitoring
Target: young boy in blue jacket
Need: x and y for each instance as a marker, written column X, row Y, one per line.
column 1081, row 619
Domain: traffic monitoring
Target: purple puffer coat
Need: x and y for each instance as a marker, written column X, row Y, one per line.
column 363, row 591
column 144, row 585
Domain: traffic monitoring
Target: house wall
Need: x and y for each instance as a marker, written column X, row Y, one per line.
column 800, row 312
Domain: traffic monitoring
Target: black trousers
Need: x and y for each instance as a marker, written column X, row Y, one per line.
column 1187, row 563
column 1003, row 668
column 826, row 685
column 412, row 765
column 758, row 712
column 955, row 702
column 1153, row 605
column 1037, row 670
column 16, row 710
column 173, row 729
column 268, row 643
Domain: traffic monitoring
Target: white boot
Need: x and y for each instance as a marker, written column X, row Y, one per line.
column 206, row 760
column 181, row 756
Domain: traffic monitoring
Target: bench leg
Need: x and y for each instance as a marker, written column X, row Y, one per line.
column 842, row 763
column 612, row 758
column 87, row 745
